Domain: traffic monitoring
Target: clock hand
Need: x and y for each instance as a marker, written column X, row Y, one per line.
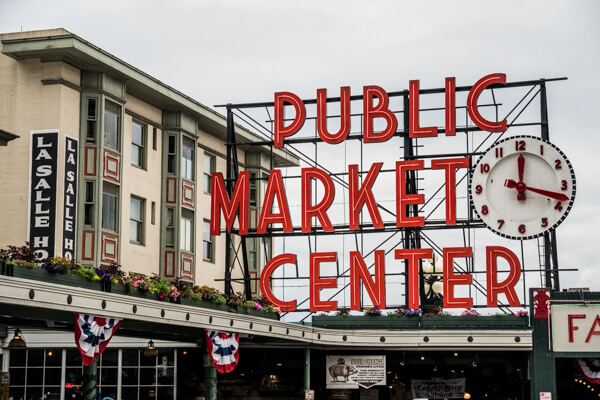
column 509, row 183
column 521, row 166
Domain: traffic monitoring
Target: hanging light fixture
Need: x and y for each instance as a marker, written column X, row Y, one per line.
column 17, row 342
column 150, row 350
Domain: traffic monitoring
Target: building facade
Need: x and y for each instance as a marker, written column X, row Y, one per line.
column 139, row 194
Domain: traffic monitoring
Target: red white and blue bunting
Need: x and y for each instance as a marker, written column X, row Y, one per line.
column 589, row 368
column 92, row 334
column 223, row 349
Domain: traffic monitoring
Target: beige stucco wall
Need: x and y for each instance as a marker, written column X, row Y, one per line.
column 26, row 105
column 142, row 183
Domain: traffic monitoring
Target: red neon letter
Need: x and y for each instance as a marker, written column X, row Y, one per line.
column 592, row 331
column 359, row 197
column 282, row 131
column 265, row 281
column 450, row 107
column 450, row 165
column 344, row 116
column 220, row 201
column 275, row 188
column 508, row 286
column 451, row 280
column 403, row 199
column 319, row 210
column 380, row 110
column 316, row 283
column 573, row 328
column 359, row 271
column 472, row 103
column 414, row 130
column 413, row 256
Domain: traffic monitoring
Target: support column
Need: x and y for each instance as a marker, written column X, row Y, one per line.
column 307, row 369
column 90, row 380
column 542, row 365
column 210, row 379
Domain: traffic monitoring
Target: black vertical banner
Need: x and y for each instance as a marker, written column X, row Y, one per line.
column 70, row 199
column 42, row 194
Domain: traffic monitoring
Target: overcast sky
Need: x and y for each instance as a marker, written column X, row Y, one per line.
column 227, row 51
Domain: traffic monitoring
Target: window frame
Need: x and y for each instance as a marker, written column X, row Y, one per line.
column 186, row 236
column 187, row 164
column 140, row 147
column 140, row 223
column 207, row 244
column 116, row 112
column 105, row 196
column 212, row 162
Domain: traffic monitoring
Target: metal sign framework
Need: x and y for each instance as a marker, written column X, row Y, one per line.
column 413, row 237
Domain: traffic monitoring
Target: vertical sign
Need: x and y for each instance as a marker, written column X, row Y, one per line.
column 70, row 199
column 42, row 192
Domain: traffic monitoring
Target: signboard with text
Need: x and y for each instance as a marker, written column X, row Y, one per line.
column 350, row 372
column 575, row 327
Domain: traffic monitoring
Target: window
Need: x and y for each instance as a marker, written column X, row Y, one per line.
column 112, row 117
column 171, row 155
column 91, row 121
column 187, row 159
column 170, row 233
column 252, row 253
column 253, row 189
column 187, row 229
column 136, row 220
column 88, row 211
column 110, row 195
column 208, row 242
column 209, row 168
column 138, row 145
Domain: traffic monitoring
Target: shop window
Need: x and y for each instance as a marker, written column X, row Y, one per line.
column 208, row 242
column 136, row 220
column 112, row 125
column 110, row 196
column 209, row 168
column 138, row 145
column 187, row 159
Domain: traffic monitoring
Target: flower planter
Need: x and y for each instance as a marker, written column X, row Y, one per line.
column 258, row 313
column 365, row 322
column 50, row 277
column 476, row 322
column 141, row 295
column 116, row 288
column 2, row 267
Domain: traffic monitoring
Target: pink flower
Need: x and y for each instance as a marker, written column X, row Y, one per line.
column 258, row 306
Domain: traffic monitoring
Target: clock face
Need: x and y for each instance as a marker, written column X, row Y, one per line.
column 522, row 186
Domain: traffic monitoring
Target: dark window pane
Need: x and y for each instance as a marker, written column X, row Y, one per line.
column 129, row 393
column 148, row 392
column 92, row 108
column 165, row 393
column 147, row 376
column 165, row 357
column 165, row 376
column 52, row 376
column 130, row 357
column 17, row 358
column 35, row 358
column 108, row 376
column 34, row 393
column 53, row 358
column 148, row 361
column 16, row 393
column 108, row 391
column 74, row 375
column 110, row 358
column 130, row 376
column 17, row 375
column 73, row 357
column 35, row 376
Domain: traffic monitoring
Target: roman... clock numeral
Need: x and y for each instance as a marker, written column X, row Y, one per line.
column 499, row 152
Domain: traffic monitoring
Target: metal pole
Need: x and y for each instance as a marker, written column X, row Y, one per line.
column 90, row 381
column 307, row 369
column 210, row 379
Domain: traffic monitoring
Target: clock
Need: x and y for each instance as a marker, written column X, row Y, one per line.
column 522, row 187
